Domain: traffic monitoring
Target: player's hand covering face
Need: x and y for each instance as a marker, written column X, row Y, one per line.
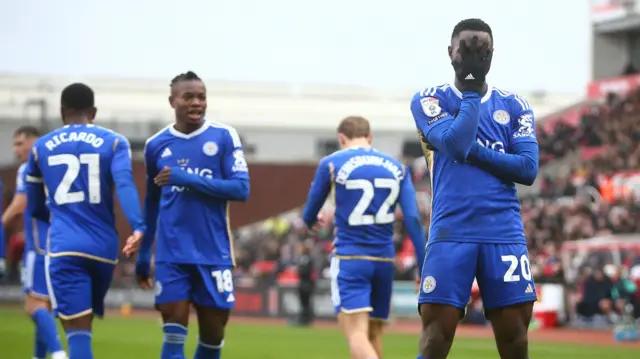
column 472, row 62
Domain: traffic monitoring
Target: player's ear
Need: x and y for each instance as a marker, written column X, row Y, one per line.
column 171, row 101
column 62, row 114
column 450, row 51
column 342, row 140
column 370, row 138
column 92, row 114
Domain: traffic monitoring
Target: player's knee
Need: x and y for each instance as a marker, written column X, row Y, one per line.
column 32, row 304
column 212, row 337
column 515, row 338
column 435, row 338
column 376, row 329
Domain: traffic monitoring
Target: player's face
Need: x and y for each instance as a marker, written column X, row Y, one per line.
column 483, row 37
column 22, row 145
column 189, row 100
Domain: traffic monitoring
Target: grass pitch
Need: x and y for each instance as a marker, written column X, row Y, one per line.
column 141, row 338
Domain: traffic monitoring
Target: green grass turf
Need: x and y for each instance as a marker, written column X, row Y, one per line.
column 141, row 338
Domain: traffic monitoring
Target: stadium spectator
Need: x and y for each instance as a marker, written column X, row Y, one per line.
column 595, row 299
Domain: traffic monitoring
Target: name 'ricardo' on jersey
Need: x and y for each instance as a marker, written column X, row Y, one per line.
column 469, row 203
column 194, row 227
column 77, row 164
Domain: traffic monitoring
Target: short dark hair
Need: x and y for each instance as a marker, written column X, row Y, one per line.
column 29, row 131
column 77, row 96
column 355, row 127
column 471, row 25
column 187, row 76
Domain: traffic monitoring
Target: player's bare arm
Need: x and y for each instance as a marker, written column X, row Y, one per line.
column 16, row 207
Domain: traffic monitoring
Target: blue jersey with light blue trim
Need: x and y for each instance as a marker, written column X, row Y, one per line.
column 470, row 204
column 78, row 165
column 35, row 231
column 193, row 227
column 366, row 188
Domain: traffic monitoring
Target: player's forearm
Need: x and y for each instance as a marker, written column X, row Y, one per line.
column 412, row 220
column 16, row 208
column 234, row 189
column 151, row 210
column 315, row 202
column 129, row 200
column 456, row 139
column 36, row 202
column 416, row 233
column 521, row 167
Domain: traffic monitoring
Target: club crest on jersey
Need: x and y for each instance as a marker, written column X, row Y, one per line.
column 430, row 106
column 502, row 117
column 428, row 284
column 210, row 148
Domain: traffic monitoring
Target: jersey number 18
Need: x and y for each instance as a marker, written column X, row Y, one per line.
column 63, row 194
column 382, row 216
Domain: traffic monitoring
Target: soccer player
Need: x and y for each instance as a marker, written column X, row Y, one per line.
column 479, row 141
column 76, row 167
column 195, row 167
column 367, row 185
column 36, row 303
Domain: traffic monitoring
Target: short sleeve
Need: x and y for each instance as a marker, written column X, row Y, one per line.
column 234, row 164
column 523, row 127
column 21, row 178
column 32, row 170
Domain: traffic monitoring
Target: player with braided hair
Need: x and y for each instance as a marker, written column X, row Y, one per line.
column 195, row 167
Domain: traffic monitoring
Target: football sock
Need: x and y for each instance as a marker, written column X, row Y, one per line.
column 174, row 337
column 208, row 351
column 46, row 330
column 39, row 346
column 79, row 342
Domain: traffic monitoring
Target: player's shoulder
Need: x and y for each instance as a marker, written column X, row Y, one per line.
column 515, row 102
column 21, row 169
column 157, row 138
column 226, row 129
column 440, row 92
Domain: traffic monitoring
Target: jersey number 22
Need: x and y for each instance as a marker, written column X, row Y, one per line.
column 357, row 216
column 63, row 194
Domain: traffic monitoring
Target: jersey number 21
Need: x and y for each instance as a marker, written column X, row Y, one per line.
column 63, row 194
column 382, row 216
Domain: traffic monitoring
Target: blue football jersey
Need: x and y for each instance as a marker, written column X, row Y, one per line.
column 193, row 227
column 470, row 204
column 35, row 231
column 366, row 185
column 77, row 164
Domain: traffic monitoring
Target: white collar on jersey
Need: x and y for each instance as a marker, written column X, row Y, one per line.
column 187, row 136
column 484, row 98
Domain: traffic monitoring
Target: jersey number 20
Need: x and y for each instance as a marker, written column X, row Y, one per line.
column 357, row 216
column 63, row 194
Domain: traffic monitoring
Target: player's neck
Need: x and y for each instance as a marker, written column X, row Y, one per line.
column 357, row 142
column 459, row 86
column 187, row 128
column 77, row 121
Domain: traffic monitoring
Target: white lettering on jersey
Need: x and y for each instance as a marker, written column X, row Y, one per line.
column 359, row 161
column 202, row 172
column 65, row 137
